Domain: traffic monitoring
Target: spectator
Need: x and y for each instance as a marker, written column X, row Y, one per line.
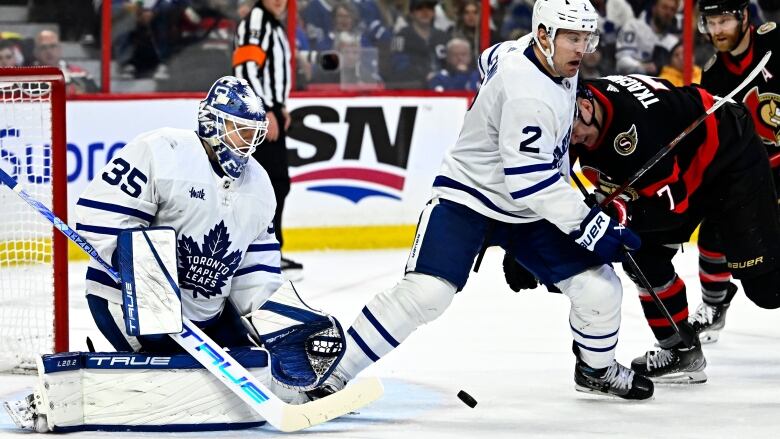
column 673, row 72
column 48, row 52
column 318, row 16
column 645, row 43
column 459, row 73
column 418, row 50
column 9, row 55
column 345, row 18
column 353, row 70
column 517, row 19
column 446, row 14
column 467, row 25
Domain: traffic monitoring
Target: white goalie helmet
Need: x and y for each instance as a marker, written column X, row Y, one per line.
column 576, row 15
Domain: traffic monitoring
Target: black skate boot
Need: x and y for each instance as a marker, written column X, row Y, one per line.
column 708, row 319
column 615, row 380
column 675, row 365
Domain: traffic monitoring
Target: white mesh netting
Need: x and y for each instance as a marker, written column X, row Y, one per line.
column 26, row 272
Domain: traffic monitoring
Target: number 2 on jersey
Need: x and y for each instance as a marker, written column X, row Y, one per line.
column 535, row 133
column 135, row 178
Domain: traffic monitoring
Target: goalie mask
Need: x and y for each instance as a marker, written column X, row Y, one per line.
column 232, row 120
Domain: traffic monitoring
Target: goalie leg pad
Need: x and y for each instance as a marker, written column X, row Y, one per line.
column 125, row 391
column 305, row 344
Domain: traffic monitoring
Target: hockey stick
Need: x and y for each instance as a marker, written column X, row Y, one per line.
column 665, row 150
column 688, row 337
column 283, row 416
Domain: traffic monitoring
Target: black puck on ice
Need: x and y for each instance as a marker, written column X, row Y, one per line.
column 467, row 399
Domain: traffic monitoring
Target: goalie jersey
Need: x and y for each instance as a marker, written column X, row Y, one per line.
column 510, row 161
column 225, row 240
column 641, row 116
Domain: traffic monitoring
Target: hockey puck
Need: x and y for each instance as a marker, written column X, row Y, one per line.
column 467, row 399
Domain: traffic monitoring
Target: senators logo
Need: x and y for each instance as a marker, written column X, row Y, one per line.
column 765, row 109
column 625, row 143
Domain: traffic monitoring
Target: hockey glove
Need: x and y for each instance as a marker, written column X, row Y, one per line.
column 604, row 236
column 517, row 277
column 617, row 209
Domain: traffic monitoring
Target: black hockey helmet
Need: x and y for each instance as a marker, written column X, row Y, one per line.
column 720, row 7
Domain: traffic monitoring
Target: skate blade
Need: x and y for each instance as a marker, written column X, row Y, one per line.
column 707, row 337
column 695, row 377
column 599, row 393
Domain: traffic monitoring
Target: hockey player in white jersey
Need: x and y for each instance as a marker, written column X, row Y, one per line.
column 219, row 200
column 505, row 182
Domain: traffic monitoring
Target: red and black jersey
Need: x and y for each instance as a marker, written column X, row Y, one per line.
column 641, row 116
column 724, row 72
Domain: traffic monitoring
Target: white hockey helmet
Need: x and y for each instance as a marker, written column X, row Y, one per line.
column 577, row 15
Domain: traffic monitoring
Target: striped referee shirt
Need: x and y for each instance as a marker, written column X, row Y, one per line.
column 262, row 56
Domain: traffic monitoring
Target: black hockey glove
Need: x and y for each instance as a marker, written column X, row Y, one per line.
column 517, row 277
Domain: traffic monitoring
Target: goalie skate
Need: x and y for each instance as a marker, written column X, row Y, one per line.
column 673, row 365
column 25, row 414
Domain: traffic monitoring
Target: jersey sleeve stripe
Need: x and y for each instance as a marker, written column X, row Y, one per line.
column 443, row 181
column 529, row 168
column 108, row 207
column 536, row 188
column 256, row 268
column 98, row 229
column 263, row 247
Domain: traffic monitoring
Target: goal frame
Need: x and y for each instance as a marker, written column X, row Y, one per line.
column 59, row 181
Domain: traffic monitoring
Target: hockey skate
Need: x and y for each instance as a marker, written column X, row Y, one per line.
column 708, row 319
column 615, row 380
column 677, row 365
column 25, row 415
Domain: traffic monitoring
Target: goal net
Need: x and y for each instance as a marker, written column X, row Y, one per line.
column 33, row 259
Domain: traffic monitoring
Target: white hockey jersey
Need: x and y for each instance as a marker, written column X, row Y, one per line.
column 226, row 243
column 511, row 160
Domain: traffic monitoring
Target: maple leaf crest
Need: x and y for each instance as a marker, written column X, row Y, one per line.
column 203, row 269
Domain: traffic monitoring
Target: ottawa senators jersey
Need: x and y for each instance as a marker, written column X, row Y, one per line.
column 724, row 72
column 641, row 115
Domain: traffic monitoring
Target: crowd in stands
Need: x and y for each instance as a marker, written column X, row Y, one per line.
column 344, row 44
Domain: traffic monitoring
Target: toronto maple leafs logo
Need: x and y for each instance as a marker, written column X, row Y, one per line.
column 204, row 269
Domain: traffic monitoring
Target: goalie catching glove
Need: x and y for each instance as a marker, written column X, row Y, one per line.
column 305, row 345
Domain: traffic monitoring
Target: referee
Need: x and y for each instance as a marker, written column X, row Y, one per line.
column 262, row 57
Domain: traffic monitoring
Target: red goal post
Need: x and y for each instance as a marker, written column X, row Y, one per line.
column 33, row 256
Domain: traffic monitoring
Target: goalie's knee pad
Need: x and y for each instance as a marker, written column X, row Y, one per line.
column 420, row 296
column 764, row 290
column 305, row 344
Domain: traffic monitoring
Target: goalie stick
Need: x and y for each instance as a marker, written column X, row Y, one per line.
column 668, row 148
column 283, row 416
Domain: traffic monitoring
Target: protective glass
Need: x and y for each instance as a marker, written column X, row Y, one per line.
column 727, row 22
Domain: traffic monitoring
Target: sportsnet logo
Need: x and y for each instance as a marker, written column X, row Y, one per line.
column 353, row 183
column 346, row 169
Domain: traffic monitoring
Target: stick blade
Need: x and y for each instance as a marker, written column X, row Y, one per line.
column 356, row 395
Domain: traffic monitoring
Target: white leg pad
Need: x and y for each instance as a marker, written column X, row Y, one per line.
column 596, row 296
column 87, row 391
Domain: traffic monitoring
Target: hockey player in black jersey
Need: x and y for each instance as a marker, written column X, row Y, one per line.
column 719, row 172
column 740, row 47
